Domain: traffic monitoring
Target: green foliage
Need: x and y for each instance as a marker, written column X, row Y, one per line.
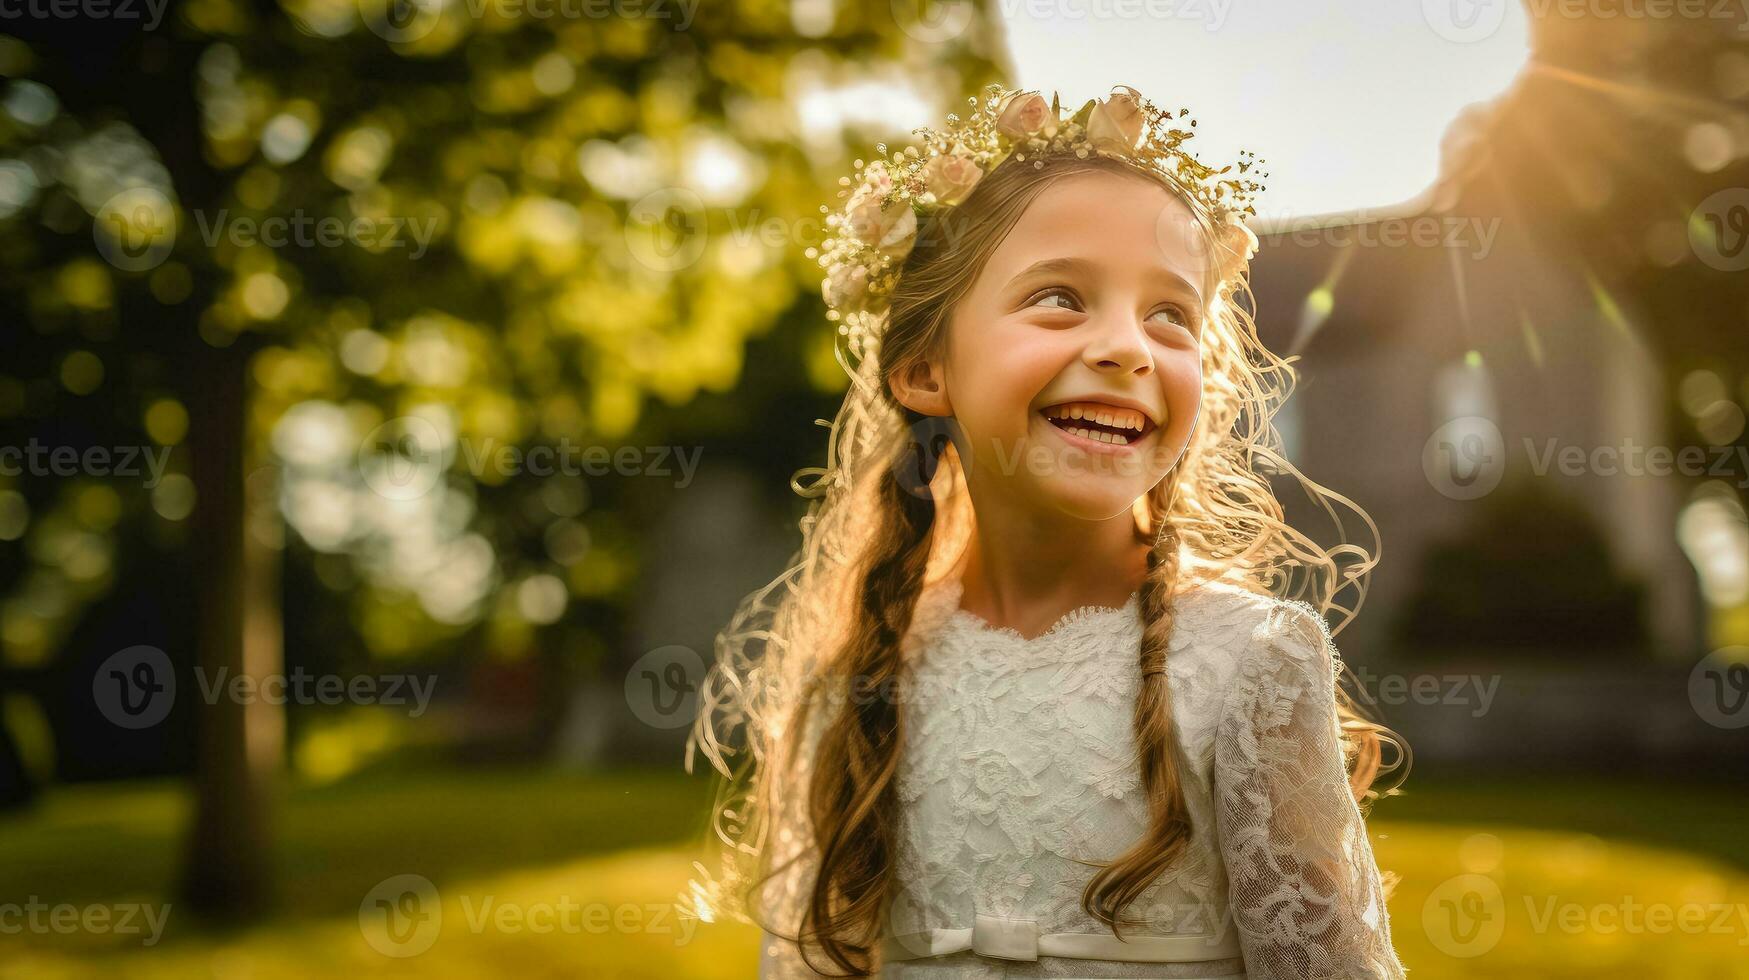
column 479, row 228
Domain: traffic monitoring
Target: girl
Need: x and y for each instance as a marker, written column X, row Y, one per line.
column 1041, row 695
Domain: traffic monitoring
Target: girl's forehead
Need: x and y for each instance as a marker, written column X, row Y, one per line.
column 1106, row 221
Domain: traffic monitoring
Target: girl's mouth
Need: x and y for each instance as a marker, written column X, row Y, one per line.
column 1100, row 423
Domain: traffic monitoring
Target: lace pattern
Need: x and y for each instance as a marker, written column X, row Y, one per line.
column 1019, row 765
column 1306, row 892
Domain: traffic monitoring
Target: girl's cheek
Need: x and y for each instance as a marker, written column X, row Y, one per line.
column 1014, row 369
column 1182, row 377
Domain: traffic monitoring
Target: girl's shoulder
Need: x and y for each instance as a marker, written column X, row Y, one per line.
column 1255, row 632
column 1233, row 615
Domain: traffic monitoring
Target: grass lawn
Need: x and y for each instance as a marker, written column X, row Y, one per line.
column 543, row 874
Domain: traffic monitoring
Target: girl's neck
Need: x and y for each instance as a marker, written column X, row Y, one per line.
column 1024, row 571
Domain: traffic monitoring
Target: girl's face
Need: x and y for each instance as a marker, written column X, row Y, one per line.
column 1073, row 366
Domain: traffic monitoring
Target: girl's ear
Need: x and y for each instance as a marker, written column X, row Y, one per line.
column 920, row 387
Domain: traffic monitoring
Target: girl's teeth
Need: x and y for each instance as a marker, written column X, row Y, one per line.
column 1103, row 416
column 1097, row 436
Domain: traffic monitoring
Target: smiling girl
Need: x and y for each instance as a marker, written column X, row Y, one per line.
column 1049, row 690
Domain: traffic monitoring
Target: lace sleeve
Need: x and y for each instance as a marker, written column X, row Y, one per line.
column 1304, row 887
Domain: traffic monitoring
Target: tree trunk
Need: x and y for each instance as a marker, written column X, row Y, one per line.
column 239, row 744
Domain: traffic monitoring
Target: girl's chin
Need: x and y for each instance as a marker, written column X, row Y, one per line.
column 1087, row 477
column 1093, row 495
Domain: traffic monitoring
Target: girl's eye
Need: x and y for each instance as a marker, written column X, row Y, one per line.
column 1065, row 300
column 1042, row 299
column 1177, row 314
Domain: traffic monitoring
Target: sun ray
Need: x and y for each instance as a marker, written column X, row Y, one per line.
column 1641, row 96
column 1320, row 302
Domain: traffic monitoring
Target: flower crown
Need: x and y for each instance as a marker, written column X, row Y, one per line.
column 868, row 240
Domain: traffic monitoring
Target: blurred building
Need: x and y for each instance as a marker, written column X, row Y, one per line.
column 1434, row 375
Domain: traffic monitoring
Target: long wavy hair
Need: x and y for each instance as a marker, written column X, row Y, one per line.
column 802, row 713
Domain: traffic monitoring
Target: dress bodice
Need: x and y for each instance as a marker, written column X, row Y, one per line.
column 1018, row 774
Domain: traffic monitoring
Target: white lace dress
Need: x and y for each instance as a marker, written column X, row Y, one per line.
column 1019, row 760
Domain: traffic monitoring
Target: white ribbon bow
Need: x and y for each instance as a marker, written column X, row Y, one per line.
column 1006, row 938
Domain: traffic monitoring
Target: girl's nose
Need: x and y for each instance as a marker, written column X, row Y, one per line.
column 1119, row 344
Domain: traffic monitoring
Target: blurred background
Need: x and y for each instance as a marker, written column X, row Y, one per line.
column 398, row 395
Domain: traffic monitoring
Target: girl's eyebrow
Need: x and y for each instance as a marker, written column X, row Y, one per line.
column 1069, row 265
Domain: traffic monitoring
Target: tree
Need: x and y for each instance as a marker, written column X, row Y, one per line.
column 361, row 249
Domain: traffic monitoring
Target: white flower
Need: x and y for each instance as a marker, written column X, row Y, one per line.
column 888, row 227
column 845, row 285
column 1026, row 114
column 1116, row 123
column 951, row 176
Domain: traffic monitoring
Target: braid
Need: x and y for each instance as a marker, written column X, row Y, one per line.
column 853, row 797
column 1157, row 601
column 1121, row 882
